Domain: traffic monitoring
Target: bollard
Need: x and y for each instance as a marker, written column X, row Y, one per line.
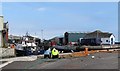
column 86, row 51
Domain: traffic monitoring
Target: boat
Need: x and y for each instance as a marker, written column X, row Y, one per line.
column 27, row 47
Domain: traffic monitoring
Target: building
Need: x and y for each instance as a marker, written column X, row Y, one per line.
column 57, row 41
column 1, row 28
column 97, row 38
column 73, row 37
column 3, row 33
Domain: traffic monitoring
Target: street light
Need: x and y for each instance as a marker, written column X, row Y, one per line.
column 42, row 35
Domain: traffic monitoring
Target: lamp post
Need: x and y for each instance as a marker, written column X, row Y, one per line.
column 42, row 35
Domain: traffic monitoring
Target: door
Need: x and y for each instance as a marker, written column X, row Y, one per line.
column 111, row 40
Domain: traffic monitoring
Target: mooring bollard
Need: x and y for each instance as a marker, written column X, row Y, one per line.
column 86, row 51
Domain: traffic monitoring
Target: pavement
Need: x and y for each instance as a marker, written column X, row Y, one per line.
column 101, row 60
column 10, row 60
column 24, row 58
column 6, row 61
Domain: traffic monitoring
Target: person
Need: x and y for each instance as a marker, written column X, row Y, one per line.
column 55, row 53
column 47, row 53
column 12, row 46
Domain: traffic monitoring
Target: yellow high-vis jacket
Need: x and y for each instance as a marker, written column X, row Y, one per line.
column 55, row 52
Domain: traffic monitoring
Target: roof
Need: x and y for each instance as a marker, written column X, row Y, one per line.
column 75, row 32
column 98, row 34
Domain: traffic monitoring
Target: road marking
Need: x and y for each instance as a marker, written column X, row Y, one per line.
column 4, row 64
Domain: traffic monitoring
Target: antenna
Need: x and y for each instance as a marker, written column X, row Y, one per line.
column 27, row 34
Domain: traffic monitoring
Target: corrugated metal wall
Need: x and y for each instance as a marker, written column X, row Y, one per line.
column 74, row 37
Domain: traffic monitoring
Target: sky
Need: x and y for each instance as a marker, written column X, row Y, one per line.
column 56, row 18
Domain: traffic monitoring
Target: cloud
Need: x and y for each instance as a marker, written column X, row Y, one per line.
column 41, row 9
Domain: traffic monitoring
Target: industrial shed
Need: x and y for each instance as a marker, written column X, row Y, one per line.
column 73, row 37
column 97, row 38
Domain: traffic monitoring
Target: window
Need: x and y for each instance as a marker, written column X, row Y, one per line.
column 106, row 40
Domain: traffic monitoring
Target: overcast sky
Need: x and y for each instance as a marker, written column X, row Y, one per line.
column 55, row 18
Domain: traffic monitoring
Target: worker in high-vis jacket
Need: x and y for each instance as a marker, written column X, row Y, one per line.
column 55, row 53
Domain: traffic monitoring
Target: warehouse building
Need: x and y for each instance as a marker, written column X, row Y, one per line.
column 73, row 37
column 91, row 38
column 57, row 41
column 97, row 38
